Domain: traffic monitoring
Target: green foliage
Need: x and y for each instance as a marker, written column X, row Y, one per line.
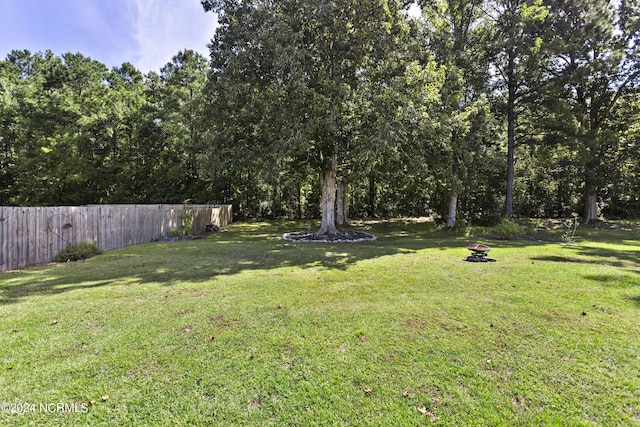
column 78, row 251
column 73, row 132
column 587, row 98
column 326, row 82
column 508, row 230
column 420, row 111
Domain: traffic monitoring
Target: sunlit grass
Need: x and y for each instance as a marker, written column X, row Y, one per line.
column 242, row 328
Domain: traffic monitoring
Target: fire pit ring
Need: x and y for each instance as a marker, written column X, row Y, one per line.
column 479, row 253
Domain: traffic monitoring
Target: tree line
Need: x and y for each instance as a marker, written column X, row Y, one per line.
column 466, row 110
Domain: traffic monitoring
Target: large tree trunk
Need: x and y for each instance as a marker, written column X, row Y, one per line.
column 299, row 200
column 453, row 207
column 590, row 203
column 453, row 196
column 275, row 201
column 591, row 177
column 342, row 204
column 328, row 201
column 511, row 131
column 372, row 194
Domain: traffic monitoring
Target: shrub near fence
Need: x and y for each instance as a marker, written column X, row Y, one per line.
column 31, row 236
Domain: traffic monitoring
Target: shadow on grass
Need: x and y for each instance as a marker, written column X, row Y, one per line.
column 615, row 281
column 599, row 255
column 563, row 259
column 241, row 247
column 55, row 285
column 627, row 260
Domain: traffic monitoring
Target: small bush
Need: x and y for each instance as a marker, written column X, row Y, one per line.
column 569, row 237
column 508, row 230
column 78, row 251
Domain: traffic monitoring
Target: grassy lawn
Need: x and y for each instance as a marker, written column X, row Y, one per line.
column 242, row 328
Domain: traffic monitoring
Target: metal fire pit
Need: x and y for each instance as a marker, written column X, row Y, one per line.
column 479, row 253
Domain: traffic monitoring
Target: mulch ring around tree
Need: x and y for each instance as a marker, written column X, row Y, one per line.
column 339, row 237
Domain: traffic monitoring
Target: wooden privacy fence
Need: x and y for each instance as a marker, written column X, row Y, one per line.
column 31, row 236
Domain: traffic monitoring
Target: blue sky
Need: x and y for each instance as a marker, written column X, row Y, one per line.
column 146, row 33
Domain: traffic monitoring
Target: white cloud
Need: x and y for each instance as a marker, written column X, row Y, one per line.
column 146, row 33
column 105, row 29
column 165, row 27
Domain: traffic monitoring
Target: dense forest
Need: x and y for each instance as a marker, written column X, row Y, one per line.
column 465, row 110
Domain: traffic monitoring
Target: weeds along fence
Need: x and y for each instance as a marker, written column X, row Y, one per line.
column 31, row 236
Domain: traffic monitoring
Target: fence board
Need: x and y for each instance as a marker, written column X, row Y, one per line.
column 31, row 236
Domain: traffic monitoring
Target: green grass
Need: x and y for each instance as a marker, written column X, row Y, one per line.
column 242, row 328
